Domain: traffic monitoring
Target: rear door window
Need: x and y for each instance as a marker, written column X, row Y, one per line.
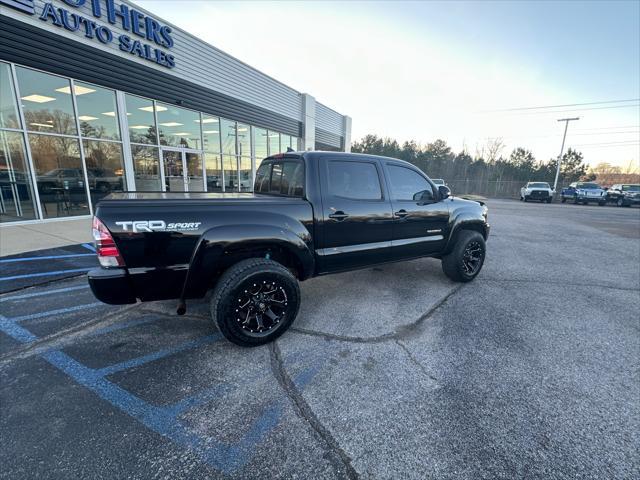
column 354, row 180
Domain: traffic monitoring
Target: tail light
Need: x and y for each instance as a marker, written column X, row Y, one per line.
column 108, row 254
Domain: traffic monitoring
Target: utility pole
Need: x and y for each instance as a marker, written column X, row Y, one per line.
column 566, row 126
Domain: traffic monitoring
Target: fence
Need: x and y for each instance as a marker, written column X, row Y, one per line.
column 487, row 188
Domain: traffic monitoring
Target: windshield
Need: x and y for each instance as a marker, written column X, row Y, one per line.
column 539, row 185
column 588, row 186
column 631, row 188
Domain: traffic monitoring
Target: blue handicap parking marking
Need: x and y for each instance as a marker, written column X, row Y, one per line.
column 165, row 420
column 34, row 268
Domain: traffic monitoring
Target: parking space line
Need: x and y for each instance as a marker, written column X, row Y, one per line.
column 197, row 399
column 15, row 331
column 88, row 246
column 122, row 326
column 59, row 311
column 49, row 257
column 39, row 294
column 136, row 362
column 44, row 274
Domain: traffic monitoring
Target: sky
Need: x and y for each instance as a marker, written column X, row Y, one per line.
column 451, row 70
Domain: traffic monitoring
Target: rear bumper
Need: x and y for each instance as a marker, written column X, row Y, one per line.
column 111, row 286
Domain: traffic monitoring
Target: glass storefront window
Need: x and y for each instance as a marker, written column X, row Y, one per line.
column 46, row 102
column 60, row 176
column 9, row 117
column 228, row 134
column 16, row 190
column 245, row 174
column 146, row 168
column 105, row 168
column 141, row 119
column 285, row 142
column 97, row 111
column 178, row 127
column 294, row 143
column 274, row 142
column 211, row 133
column 230, row 165
column 193, row 164
column 244, row 140
column 213, row 168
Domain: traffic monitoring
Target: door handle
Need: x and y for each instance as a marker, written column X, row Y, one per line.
column 401, row 213
column 339, row 215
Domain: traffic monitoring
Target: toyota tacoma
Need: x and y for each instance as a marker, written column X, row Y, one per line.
column 311, row 213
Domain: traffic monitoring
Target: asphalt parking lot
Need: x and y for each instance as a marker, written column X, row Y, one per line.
column 530, row 371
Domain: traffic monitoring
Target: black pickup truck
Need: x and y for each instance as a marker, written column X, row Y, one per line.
column 311, row 213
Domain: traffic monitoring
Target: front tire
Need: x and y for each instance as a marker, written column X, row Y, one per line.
column 465, row 260
column 620, row 202
column 255, row 301
column 564, row 200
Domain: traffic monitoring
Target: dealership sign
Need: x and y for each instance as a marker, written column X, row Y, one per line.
column 154, row 38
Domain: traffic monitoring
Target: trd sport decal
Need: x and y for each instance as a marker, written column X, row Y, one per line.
column 157, row 226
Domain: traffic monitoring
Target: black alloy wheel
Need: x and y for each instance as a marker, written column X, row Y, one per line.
column 261, row 307
column 472, row 257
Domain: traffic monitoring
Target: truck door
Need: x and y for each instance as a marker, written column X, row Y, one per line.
column 420, row 220
column 357, row 217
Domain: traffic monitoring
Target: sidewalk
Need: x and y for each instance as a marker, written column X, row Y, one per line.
column 16, row 239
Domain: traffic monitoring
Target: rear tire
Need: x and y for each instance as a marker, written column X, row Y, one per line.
column 620, row 202
column 564, row 200
column 549, row 200
column 255, row 301
column 466, row 259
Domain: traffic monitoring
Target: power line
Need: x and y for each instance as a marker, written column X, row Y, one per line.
column 563, row 105
column 622, row 142
column 553, row 112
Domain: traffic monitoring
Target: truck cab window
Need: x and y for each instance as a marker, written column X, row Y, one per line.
column 281, row 178
column 262, row 178
column 354, row 180
column 408, row 185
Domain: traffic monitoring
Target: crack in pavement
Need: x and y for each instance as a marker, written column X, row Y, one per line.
column 403, row 331
column 338, row 458
column 416, row 362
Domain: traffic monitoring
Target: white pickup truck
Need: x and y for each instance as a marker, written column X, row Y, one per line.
column 540, row 191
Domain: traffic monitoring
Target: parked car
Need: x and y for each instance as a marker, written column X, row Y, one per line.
column 584, row 192
column 540, row 191
column 311, row 213
column 624, row 195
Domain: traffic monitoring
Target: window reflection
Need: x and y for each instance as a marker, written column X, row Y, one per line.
column 46, row 101
column 141, row 119
column 178, row 127
column 211, row 133
column 105, row 168
column 146, row 168
column 8, row 109
column 16, row 191
column 230, row 165
column 246, row 180
column 274, row 142
column 97, row 111
column 285, row 142
column 60, row 177
column 244, row 140
column 228, row 133
column 213, row 168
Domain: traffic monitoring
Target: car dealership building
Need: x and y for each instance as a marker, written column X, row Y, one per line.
column 98, row 96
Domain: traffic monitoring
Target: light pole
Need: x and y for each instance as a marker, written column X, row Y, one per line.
column 566, row 126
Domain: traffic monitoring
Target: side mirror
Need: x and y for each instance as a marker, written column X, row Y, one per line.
column 444, row 191
column 424, row 197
